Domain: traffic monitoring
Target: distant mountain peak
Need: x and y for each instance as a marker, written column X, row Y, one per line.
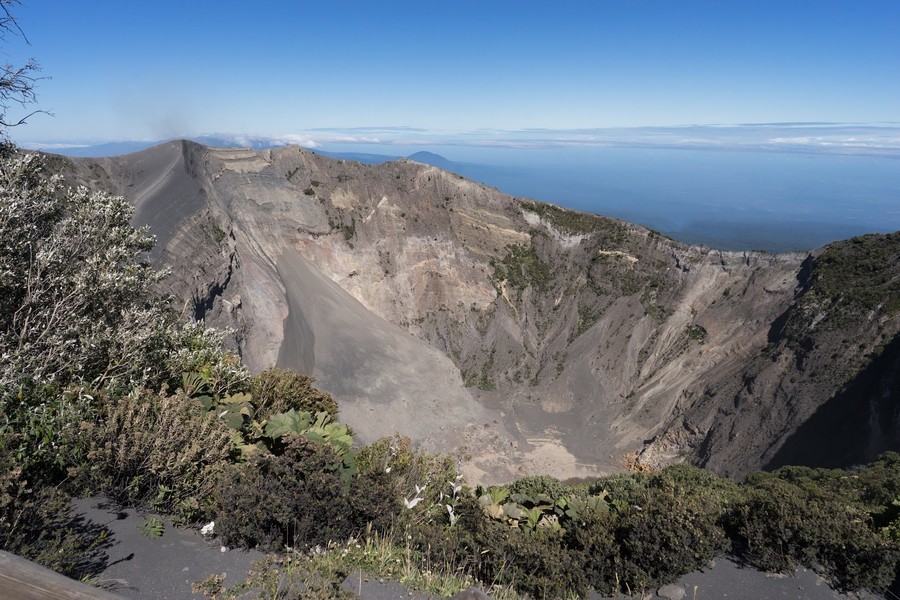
column 435, row 160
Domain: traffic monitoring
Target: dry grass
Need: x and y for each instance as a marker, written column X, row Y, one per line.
column 320, row 572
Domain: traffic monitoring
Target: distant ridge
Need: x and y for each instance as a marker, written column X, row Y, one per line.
column 112, row 149
column 435, row 160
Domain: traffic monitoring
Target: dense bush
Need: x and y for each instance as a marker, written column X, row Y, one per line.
column 598, row 551
column 280, row 390
column 810, row 517
column 539, row 485
column 668, row 532
column 157, row 450
column 407, row 470
column 297, row 499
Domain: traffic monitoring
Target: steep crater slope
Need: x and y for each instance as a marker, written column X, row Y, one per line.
column 832, row 363
column 522, row 337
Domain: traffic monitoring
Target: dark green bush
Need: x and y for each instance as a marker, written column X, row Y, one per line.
column 36, row 522
column 371, row 501
column 667, row 532
column 539, row 485
column 297, row 499
column 781, row 524
column 598, row 552
column 879, row 483
column 542, row 565
column 622, row 488
column 538, row 563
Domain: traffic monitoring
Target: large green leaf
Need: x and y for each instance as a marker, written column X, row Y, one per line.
column 233, row 418
column 239, row 398
column 290, row 422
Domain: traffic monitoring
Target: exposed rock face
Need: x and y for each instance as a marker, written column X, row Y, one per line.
column 523, row 337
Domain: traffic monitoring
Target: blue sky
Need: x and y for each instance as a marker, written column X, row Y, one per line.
column 398, row 71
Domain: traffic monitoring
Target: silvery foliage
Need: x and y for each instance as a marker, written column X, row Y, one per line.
column 75, row 292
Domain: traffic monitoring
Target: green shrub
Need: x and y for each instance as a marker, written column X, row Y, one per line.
column 198, row 349
column 536, row 563
column 781, row 524
column 279, row 390
column 405, row 469
column 36, row 522
column 879, row 483
column 668, row 532
column 622, row 488
column 539, row 485
column 598, row 553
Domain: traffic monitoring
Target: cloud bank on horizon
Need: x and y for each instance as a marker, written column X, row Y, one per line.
column 868, row 139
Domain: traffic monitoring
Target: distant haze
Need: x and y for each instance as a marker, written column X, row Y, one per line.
column 739, row 199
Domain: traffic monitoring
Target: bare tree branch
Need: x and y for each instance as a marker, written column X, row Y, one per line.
column 17, row 83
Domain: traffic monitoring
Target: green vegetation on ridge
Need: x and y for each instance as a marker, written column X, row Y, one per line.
column 859, row 274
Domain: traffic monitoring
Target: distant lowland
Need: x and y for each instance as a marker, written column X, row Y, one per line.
column 763, row 190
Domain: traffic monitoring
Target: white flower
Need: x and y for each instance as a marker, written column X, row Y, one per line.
column 387, row 469
column 223, row 549
column 453, row 516
column 208, row 528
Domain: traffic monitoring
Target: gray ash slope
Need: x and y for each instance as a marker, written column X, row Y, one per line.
column 522, row 337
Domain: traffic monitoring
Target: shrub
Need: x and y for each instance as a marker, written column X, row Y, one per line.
column 539, row 485
column 781, row 524
column 157, row 449
column 598, row 552
column 296, row 499
column 280, row 390
column 668, row 532
column 200, row 349
column 36, row 522
column 879, row 483
column 622, row 488
column 73, row 284
column 405, row 469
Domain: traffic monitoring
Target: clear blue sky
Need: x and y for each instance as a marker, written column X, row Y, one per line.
column 129, row 69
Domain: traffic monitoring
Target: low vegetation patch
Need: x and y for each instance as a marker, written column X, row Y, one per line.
column 574, row 222
column 521, row 268
column 851, row 278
